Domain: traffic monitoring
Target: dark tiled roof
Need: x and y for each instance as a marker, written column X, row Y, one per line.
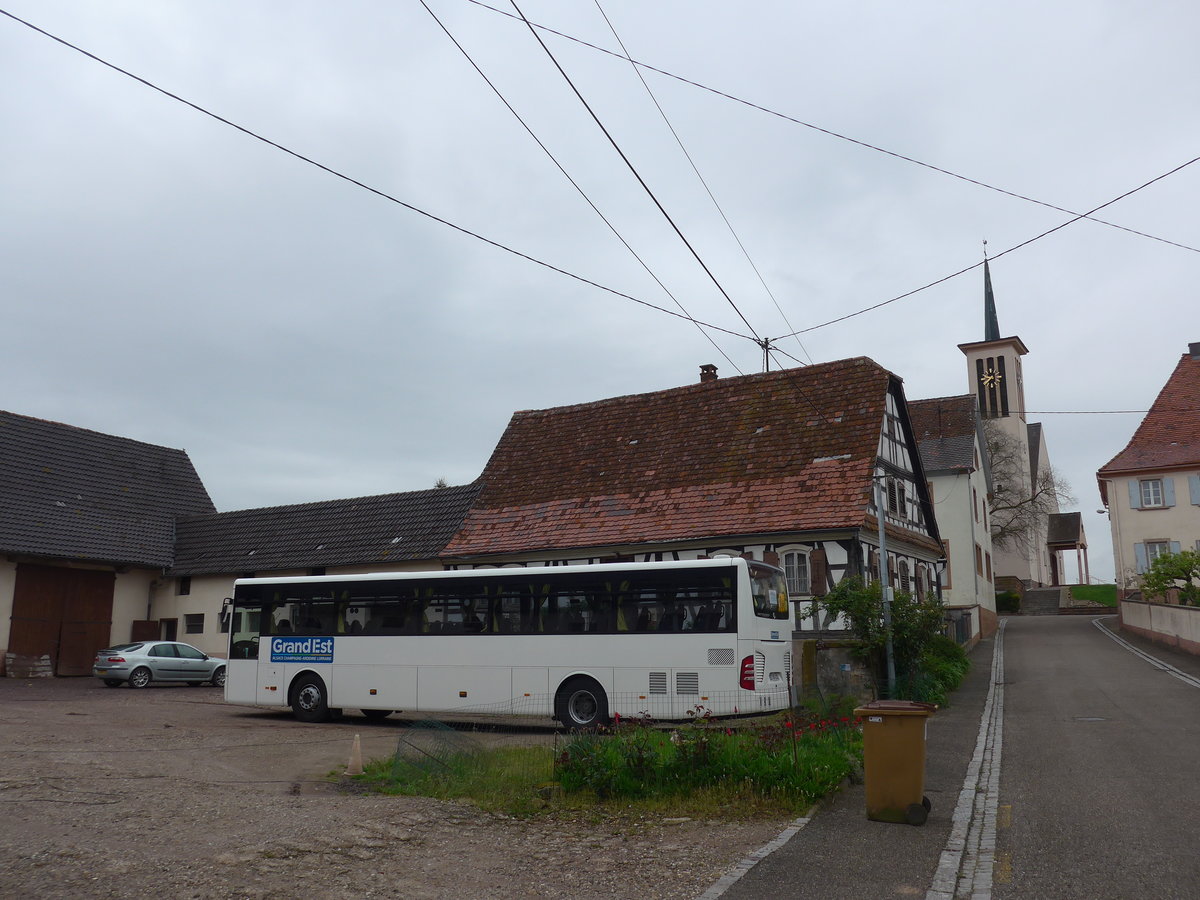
column 1065, row 529
column 778, row 452
column 1169, row 436
column 70, row 493
column 388, row 528
column 945, row 429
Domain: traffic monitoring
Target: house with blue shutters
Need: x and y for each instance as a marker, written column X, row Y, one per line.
column 1151, row 489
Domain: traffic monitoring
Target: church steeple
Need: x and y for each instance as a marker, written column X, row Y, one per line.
column 991, row 327
column 994, row 364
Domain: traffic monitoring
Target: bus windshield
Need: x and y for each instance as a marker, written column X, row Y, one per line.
column 770, row 592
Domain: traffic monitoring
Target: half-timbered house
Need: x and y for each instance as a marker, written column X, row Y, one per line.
column 781, row 466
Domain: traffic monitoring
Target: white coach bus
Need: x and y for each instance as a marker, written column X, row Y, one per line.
column 579, row 643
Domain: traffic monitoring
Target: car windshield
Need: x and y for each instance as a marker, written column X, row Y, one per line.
column 126, row 648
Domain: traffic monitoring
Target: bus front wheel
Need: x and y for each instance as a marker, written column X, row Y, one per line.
column 310, row 703
column 581, row 705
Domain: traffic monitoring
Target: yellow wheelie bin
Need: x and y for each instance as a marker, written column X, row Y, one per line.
column 894, row 759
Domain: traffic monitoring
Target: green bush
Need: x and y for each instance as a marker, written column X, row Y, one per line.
column 1008, row 602
column 789, row 759
column 928, row 664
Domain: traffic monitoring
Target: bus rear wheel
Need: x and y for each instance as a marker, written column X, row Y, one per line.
column 310, row 703
column 581, row 705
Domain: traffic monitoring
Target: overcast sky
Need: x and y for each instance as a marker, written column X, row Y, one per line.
column 168, row 278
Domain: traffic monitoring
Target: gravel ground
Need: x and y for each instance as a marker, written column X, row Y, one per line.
column 168, row 791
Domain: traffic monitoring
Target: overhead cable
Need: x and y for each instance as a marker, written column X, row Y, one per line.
column 835, row 134
column 575, row 184
column 634, row 170
column 367, row 187
column 703, row 182
column 1000, row 254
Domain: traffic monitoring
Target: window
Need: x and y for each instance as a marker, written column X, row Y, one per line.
column 978, row 560
column 892, row 502
column 795, row 570
column 988, row 560
column 183, row 585
column 975, row 501
column 1155, row 549
column 905, row 583
column 193, row 623
column 1152, row 492
column 946, row 573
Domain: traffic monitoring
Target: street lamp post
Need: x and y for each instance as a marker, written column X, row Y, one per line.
column 887, row 586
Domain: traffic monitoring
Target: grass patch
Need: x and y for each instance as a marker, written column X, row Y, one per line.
column 1104, row 594
column 704, row 769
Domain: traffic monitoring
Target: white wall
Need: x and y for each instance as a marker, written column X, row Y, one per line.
column 8, row 587
column 131, row 601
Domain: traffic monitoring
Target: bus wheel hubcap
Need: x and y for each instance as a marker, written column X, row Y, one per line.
column 583, row 707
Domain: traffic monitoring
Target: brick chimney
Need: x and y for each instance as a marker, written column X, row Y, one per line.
column 1193, row 351
column 708, row 372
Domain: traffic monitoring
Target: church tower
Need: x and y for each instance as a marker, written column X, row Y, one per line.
column 996, row 380
column 994, row 367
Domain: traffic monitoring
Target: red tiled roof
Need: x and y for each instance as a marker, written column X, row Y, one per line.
column 778, row 452
column 1169, row 436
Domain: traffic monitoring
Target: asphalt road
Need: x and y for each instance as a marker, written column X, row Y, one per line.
column 1098, row 785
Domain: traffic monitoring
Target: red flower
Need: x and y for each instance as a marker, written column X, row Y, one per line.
column 787, row 724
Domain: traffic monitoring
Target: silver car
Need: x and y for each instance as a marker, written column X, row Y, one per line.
column 146, row 661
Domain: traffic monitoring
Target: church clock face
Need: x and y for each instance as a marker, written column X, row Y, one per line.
column 991, row 378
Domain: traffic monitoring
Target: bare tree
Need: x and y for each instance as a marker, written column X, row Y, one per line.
column 1019, row 509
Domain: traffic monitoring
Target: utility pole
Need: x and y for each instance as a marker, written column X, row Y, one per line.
column 880, row 515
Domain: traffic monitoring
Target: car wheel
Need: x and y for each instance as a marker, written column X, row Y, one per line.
column 218, row 678
column 376, row 715
column 139, row 677
column 112, row 682
column 581, row 705
column 309, row 700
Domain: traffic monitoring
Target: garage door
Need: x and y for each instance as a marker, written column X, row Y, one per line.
column 61, row 617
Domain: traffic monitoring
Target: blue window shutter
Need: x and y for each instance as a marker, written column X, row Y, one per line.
column 1194, row 488
column 1168, row 490
column 1139, row 551
column 1174, row 546
column 1135, row 494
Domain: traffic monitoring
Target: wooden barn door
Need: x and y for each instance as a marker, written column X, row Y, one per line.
column 61, row 617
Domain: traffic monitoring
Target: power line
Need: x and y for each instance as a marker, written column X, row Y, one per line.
column 574, row 183
column 367, row 187
column 1000, row 254
column 703, row 182
column 835, row 134
column 634, row 170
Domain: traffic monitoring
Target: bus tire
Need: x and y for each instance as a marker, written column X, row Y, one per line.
column 581, row 704
column 310, row 701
